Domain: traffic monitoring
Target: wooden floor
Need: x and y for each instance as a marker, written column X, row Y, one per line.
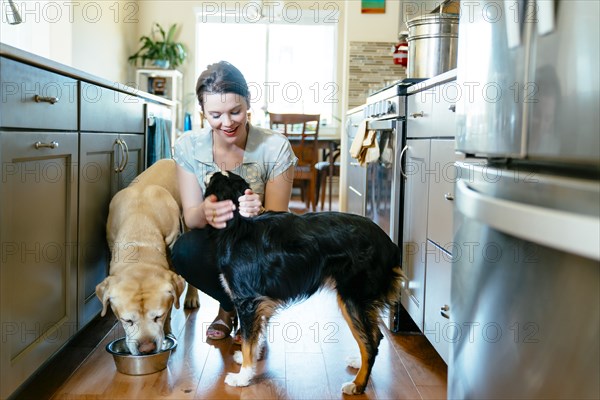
column 305, row 359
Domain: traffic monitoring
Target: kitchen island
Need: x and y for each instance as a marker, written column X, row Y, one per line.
column 68, row 142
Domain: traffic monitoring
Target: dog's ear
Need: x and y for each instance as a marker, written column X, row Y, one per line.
column 102, row 291
column 179, row 286
column 227, row 186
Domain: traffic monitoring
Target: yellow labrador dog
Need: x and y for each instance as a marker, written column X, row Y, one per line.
column 143, row 222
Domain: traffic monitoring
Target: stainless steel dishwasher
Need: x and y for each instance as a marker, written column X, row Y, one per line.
column 356, row 175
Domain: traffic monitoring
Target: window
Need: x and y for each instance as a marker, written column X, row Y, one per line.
column 287, row 59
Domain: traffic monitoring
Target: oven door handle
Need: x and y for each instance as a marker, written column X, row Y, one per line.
column 382, row 125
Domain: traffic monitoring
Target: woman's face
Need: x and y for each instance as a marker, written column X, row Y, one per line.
column 226, row 114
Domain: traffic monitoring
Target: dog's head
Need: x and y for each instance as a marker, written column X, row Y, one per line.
column 226, row 186
column 142, row 303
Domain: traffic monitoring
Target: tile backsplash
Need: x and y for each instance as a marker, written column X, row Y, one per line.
column 371, row 68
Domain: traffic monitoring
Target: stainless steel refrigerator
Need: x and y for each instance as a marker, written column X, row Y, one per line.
column 525, row 296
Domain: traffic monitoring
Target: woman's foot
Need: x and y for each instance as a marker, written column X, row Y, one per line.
column 223, row 325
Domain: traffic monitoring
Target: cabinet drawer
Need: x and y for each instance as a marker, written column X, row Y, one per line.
column 438, row 326
column 443, row 112
column 107, row 110
column 419, row 119
column 442, row 175
column 33, row 98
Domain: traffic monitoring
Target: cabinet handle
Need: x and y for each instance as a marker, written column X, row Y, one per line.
column 125, row 155
column 418, row 114
column 444, row 310
column 51, row 145
column 402, row 154
column 359, row 194
column 452, row 107
column 118, row 166
column 45, row 99
column 449, row 196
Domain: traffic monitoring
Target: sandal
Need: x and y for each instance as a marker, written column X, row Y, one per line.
column 222, row 326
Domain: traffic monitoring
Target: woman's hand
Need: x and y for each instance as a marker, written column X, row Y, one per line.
column 250, row 204
column 217, row 213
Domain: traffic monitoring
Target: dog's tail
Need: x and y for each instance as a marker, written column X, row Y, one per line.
column 398, row 277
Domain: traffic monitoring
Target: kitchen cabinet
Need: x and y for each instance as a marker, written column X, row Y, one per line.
column 443, row 175
column 414, row 231
column 38, row 219
column 111, row 156
column 430, row 174
column 66, row 146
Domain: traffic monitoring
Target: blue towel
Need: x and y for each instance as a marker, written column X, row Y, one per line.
column 159, row 141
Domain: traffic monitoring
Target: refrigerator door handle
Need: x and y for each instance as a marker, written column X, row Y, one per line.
column 574, row 233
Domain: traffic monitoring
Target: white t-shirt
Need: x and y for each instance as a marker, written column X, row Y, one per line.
column 267, row 155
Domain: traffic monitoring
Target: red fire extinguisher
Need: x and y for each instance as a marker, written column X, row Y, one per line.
column 400, row 50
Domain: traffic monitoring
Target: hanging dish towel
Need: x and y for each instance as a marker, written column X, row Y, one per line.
column 364, row 146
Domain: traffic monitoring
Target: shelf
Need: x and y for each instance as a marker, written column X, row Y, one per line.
column 166, row 83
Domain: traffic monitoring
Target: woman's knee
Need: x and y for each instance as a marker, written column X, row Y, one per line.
column 189, row 250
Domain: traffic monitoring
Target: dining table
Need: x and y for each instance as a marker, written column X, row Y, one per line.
column 327, row 144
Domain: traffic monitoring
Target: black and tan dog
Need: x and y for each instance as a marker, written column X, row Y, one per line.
column 278, row 257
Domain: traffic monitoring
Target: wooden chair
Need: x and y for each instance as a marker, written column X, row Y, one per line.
column 303, row 132
column 322, row 168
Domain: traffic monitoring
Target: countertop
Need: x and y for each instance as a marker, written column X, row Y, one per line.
column 53, row 66
column 435, row 81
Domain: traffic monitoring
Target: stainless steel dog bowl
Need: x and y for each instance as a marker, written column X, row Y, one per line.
column 143, row 364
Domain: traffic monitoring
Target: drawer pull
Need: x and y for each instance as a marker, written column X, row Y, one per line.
column 417, row 115
column 51, row 145
column 45, row 99
column 449, row 196
column 444, row 310
column 452, row 107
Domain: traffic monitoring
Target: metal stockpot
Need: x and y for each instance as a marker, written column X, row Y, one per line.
column 432, row 44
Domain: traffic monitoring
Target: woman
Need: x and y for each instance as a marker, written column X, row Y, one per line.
column 262, row 157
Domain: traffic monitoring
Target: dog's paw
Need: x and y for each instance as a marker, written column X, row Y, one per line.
column 353, row 362
column 241, row 379
column 192, row 299
column 351, row 388
column 238, row 357
column 236, row 380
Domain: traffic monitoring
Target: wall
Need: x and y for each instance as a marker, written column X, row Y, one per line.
column 92, row 36
column 103, row 38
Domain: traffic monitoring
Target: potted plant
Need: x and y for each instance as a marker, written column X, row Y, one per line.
column 163, row 52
